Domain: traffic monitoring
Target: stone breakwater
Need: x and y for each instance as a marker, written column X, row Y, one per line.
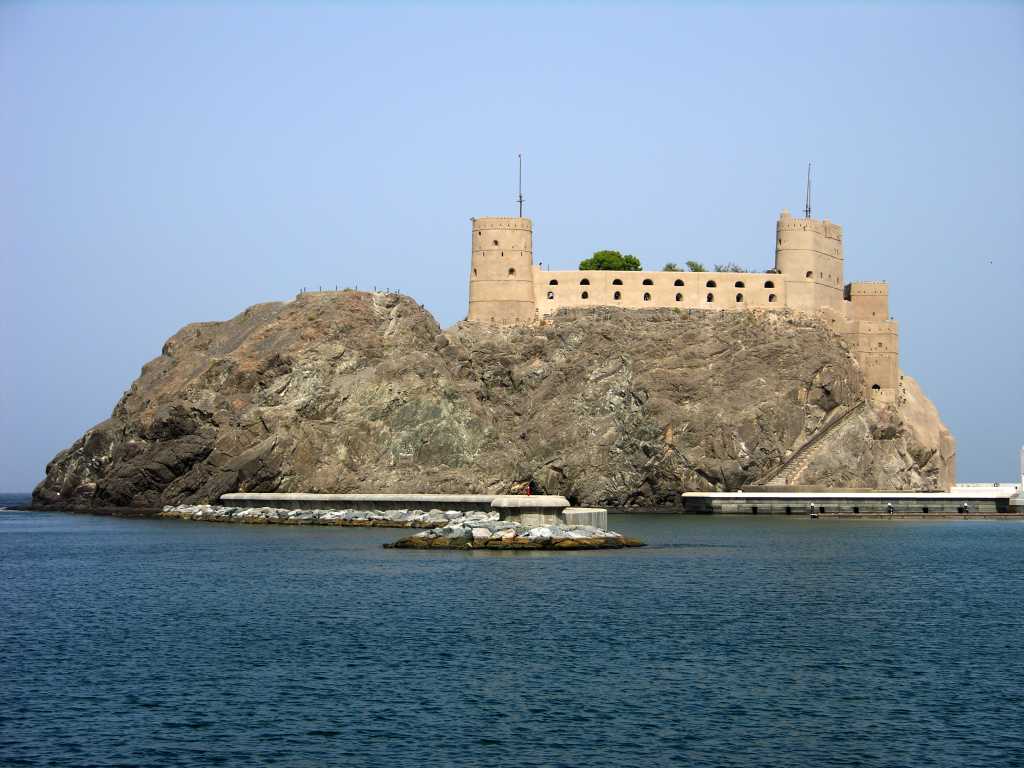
column 391, row 518
column 505, row 534
column 446, row 529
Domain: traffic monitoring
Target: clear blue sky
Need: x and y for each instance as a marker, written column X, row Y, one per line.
column 170, row 163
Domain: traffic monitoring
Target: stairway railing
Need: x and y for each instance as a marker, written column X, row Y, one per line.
column 804, row 451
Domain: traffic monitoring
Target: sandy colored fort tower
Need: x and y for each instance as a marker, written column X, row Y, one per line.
column 501, row 278
column 506, row 288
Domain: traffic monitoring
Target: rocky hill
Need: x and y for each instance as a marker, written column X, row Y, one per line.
column 352, row 391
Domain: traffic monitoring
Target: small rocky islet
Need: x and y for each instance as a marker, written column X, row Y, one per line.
column 445, row 529
column 357, row 392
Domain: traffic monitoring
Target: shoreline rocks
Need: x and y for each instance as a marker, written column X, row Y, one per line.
column 444, row 529
column 505, row 535
column 392, row 518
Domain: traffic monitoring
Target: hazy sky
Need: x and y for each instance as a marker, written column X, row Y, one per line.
column 171, row 163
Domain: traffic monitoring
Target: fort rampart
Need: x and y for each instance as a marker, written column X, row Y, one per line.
column 506, row 287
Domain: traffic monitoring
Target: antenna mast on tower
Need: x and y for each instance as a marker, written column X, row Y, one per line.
column 807, row 207
column 520, row 198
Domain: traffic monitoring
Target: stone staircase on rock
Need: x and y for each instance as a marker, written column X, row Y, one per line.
column 793, row 467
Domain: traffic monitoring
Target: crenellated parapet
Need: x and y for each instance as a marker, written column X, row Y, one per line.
column 821, row 227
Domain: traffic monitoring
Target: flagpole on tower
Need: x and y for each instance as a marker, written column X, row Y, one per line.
column 807, row 207
column 520, row 198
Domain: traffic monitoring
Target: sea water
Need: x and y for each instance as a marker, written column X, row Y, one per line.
column 726, row 642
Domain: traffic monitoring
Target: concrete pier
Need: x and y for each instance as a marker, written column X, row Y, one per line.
column 531, row 510
column 419, row 502
column 961, row 501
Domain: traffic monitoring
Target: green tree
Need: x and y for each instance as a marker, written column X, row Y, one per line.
column 611, row 260
column 671, row 267
column 729, row 266
column 696, row 266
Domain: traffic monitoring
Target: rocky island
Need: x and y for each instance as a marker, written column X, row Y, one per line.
column 363, row 392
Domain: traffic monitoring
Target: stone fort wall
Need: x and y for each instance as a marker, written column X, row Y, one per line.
column 646, row 290
column 507, row 288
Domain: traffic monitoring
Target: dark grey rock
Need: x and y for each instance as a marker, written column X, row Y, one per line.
column 351, row 392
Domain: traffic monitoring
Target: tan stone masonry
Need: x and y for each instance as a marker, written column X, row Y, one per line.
column 507, row 288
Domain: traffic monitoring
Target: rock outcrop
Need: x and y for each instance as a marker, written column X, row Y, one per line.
column 507, row 535
column 363, row 392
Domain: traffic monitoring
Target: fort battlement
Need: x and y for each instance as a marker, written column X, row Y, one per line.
column 506, row 287
column 823, row 227
column 502, row 222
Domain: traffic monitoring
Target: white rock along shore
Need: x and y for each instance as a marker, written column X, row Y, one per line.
column 446, row 529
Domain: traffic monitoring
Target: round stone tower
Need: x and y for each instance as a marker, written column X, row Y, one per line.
column 809, row 254
column 501, row 276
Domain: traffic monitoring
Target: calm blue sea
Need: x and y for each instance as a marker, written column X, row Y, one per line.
column 727, row 642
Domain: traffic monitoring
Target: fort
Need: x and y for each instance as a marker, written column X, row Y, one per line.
column 507, row 288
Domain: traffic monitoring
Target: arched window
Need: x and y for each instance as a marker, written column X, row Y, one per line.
column 739, row 284
column 648, row 281
column 711, row 297
column 552, row 282
column 511, row 271
column 616, row 281
column 584, row 295
column 617, row 296
column 647, row 297
column 678, row 282
column 679, row 297
column 711, row 284
column 769, row 284
column 876, row 387
column 771, row 298
column 495, row 242
column 584, row 281
column 809, row 274
column 739, row 298
column 474, row 271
